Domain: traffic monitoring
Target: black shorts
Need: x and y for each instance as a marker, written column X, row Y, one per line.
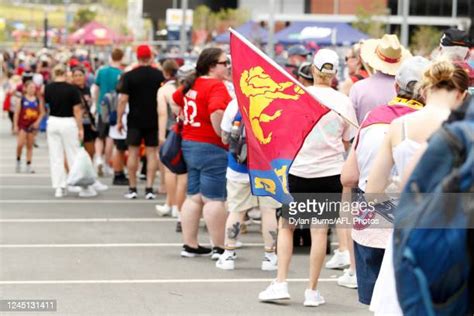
column 89, row 134
column 120, row 144
column 330, row 184
column 102, row 128
column 136, row 135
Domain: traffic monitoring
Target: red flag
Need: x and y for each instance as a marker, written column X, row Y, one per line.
column 278, row 115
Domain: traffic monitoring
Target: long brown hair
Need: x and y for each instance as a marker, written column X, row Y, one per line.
column 208, row 58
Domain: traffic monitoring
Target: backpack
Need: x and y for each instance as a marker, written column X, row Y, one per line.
column 432, row 242
column 237, row 140
column 109, row 106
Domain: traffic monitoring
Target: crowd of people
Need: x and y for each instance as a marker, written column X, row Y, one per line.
column 122, row 114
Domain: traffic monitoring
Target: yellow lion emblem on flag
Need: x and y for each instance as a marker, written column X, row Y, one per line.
column 262, row 90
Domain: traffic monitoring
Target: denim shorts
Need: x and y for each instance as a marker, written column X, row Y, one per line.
column 207, row 165
column 368, row 263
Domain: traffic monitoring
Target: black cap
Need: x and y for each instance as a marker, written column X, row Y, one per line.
column 455, row 37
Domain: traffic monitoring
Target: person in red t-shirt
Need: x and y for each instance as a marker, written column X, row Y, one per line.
column 203, row 99
column 355, row 67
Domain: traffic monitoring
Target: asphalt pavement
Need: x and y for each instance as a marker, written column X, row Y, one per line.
column 111, row 256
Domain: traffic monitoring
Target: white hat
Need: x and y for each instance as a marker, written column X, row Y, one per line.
column 326, row 60
column 411, row 70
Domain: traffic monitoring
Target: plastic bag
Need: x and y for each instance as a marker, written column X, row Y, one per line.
column 82, row 172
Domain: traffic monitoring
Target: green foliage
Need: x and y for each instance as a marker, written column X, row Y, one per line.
column 424, row 40
column 84, row 16
column 367, row 24
column 205, row 19
column 120, row 5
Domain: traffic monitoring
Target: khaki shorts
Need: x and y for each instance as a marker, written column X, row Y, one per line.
column 240, row 198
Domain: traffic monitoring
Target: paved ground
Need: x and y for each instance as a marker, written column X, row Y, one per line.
column 110, row 256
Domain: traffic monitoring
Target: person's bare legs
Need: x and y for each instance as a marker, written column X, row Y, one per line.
column 90, row 148
column 269, row 228
column 170, row 182
column 190, row 216
column 284, row 249
column 132, row 165
column 342, row 238
column 108, row 152
column 30, row 140
column 319, row 238
column 118, row 160
column 163, row 188
column 181, row 185
column 20, row 143
column 152, row 161
column 215, row 217
column 232, row 229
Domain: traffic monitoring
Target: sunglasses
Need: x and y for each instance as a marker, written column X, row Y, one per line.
column 223, row 63
column 347, row 58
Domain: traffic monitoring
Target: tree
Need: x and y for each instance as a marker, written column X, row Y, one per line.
column 84, row 16
column 424, row 40
column 367, row 24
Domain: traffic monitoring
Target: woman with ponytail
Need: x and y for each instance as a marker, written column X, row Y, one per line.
column 203, row 99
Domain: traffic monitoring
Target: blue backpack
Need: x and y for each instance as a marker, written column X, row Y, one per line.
column 432, row 251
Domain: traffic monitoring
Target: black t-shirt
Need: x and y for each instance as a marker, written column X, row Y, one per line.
column 141, row 85
column 61, row 98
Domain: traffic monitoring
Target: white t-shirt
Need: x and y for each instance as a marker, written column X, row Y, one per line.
column 113, row 131
column 322, row 154
column 226, row 125
column 370, row 141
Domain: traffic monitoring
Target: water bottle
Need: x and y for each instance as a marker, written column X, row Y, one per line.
column 235, row 131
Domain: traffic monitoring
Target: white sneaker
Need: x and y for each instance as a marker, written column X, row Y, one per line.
column 274, row 292
column 163, row 210
column 29, row 169
column 348, row 279
column 18, row 166
column 226, row 261
column 313, row 298
column 339, row 260
column 270, row 262
column 150, row 196
column 99, row 186
column 108, row 171
column 60, row 192
column 99, row 163
column 174, row 211
column 73, row 189
column 87, row 192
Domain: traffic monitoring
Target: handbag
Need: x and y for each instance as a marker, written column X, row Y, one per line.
column 171, row 154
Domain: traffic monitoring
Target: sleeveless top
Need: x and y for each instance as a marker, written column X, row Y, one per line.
column 404, row 151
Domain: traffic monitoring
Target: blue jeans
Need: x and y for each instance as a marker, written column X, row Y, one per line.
column 207, row 165
column 368, row 263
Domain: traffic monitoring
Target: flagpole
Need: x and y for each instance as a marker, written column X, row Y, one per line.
column 284, row 72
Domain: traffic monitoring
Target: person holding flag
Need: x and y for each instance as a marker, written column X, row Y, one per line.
column 271, row 101
column 316, row 169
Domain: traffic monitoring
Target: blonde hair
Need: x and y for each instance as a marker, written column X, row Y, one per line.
column 59, row 70
column 443, row 74
column 324, row 77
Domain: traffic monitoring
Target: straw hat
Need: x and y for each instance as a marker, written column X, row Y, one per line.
column 385, row 54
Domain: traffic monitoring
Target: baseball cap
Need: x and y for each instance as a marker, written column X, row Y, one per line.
column 305, row 71
column 143, row 51
column 455, row 37
column 185, row 71
column 299, row 50
column 411, row 70
column 326, row 60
